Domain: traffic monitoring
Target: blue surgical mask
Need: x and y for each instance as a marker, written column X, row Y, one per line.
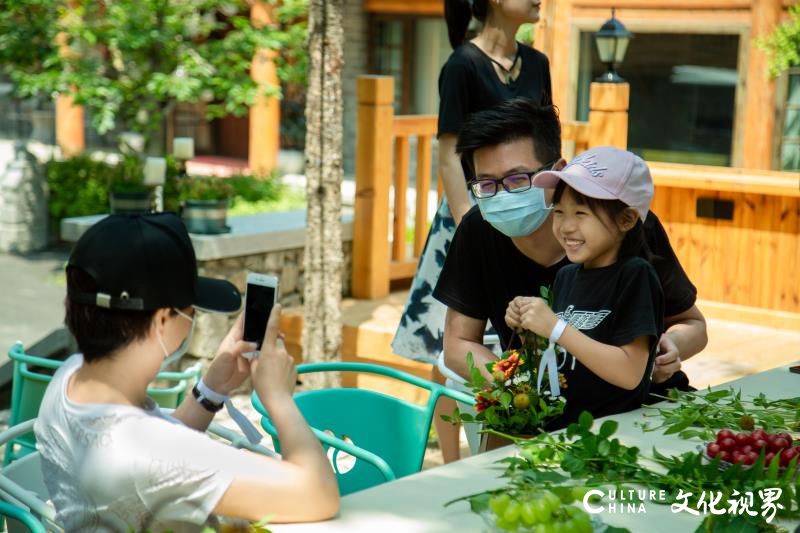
column 515, row 214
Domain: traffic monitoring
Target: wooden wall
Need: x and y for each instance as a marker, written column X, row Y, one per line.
column 748, row 266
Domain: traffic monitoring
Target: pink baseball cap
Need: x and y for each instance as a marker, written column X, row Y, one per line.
column 606, row 173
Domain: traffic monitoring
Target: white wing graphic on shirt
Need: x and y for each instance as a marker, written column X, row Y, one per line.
column 583, row 319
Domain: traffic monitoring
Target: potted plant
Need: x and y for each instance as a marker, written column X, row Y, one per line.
column 127, row 191
column 205, row 204
column 515, row 402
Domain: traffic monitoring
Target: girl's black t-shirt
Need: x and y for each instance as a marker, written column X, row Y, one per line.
column 468, row 83
column 613, row 305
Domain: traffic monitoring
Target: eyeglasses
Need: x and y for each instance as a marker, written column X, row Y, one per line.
column 512, row 183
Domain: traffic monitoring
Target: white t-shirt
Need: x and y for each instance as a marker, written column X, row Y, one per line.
column 120, row 468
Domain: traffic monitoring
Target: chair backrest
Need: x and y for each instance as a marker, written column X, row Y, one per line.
column 31, row 376
column 394, row 429
column 370, row 437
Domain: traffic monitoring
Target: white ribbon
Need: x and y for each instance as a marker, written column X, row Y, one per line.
column 549, row 364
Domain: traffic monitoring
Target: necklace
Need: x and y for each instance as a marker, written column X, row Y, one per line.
column 506, row 71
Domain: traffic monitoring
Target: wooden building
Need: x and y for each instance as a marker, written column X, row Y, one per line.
column 700, row 90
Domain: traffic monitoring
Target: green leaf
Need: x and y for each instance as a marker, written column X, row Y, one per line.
column 480, row 502
column 608, row 428
column 680, row 426
column 585, row 420
column 717, row 395
column 505, row 399
column 476, row 379
column 572, row 464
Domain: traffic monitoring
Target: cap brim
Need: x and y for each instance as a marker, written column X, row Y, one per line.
column 548, row 179
column 217, row 295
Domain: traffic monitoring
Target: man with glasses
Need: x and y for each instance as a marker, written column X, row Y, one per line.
column 505, row 247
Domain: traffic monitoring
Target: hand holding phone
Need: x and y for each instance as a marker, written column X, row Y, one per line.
column 261, row 295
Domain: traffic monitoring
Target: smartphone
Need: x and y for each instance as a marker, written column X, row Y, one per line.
column 795, row 369
column 260, row 296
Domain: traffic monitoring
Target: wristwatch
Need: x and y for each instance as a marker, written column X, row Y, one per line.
column 208, row 405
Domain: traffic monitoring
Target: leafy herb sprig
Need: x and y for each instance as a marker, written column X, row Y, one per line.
column 698, row 415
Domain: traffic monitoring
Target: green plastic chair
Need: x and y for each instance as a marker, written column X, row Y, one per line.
column 29, row 383
column 14, row 514
column 370, row 437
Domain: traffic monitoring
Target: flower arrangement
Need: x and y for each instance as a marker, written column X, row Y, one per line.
column 521, row 398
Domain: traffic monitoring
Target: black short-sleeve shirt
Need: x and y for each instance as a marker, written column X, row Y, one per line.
column 484, row 271
column 468, row 83
column 613, row 305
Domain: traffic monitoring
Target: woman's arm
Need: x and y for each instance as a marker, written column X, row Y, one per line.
column 227, row 371
column 455, row 188
column 302, row 487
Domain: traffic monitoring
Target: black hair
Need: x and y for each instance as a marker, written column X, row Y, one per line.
column 633, row 244
column 511, row 120
column 98, row 331
column 458, row 13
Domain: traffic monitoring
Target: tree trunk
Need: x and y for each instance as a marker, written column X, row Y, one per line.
column 322, row 332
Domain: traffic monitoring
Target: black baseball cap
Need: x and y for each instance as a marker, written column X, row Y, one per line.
column 144, row 262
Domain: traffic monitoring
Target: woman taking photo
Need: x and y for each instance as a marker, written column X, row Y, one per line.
column 111, row 459
column 480, row 73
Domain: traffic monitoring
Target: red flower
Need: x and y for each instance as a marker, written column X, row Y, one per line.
column 483, row 402
column 509, row 365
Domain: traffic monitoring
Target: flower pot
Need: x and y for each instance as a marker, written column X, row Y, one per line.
column 130, row 201
column 206, row 216
column 490, row 441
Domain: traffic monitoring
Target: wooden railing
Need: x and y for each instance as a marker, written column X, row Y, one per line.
column 383, row 158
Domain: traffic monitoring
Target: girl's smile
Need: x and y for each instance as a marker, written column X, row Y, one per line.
column 586, row 237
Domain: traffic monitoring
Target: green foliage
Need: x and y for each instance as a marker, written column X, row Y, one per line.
column 205, row 188
column 129, row 61
column 699, row 416
column 77, row 187
column 581, row 457
column 80, row 186
column 783, row 44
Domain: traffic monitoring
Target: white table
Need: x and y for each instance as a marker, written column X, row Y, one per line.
column 415, row 504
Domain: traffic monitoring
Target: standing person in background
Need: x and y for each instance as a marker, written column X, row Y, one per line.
column 480, row 73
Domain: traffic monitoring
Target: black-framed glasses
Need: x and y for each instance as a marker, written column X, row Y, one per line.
column 517, row 182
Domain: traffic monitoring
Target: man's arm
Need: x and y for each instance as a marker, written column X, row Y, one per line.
column 685, row 336
column 462, row 335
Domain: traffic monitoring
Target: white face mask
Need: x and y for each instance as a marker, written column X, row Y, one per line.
column 170, row 358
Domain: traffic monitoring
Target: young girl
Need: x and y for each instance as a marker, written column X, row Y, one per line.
column 608, row 306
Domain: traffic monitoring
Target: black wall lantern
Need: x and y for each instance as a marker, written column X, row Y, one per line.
column 612, row 43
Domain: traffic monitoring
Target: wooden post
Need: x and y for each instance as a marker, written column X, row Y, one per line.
column 608, row 114
column 553, row 38
column 373, row 175
column 265, row 114
column 70, row 136
column 759, row 119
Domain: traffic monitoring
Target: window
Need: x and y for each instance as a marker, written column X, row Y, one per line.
column 789, row 158
column 683, row 90
column 390, row 54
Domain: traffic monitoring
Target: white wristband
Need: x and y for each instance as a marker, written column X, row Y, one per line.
column 558, row 330
column 212, row 396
